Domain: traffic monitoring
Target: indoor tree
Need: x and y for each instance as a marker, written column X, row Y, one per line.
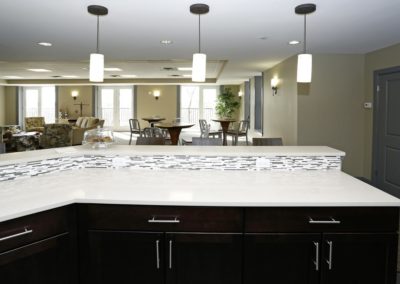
column 227, row 103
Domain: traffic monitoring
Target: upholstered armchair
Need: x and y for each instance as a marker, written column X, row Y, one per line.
column 34, row 124
column 83, row 124
column 56, row 135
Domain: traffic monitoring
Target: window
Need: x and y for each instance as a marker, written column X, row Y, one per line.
column 40, row 101
column 115, row 106
column 198, row 102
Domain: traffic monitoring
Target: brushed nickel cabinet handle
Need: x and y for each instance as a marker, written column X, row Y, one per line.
column 25, row 232
column 158, row 253
column 331, row 221
column 170, row 254
column 165, row 221
column 316, row 262
column 329, row 261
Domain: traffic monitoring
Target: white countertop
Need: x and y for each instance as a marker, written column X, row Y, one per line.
column 185, row 188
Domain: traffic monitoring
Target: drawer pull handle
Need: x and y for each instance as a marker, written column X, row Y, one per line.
column 25, row 232
column 331, row 221
column 165, row 221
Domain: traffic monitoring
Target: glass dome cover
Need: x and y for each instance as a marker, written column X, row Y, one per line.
column 98, row 138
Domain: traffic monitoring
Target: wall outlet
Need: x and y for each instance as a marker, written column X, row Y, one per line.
column 368, row 105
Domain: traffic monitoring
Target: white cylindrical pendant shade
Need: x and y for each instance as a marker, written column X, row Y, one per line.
column 96, row 71
column 199, row 67
column 304, row 68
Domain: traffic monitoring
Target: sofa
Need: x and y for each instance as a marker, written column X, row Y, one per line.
column 56, row 135
column 34, row 124
column 82, row 124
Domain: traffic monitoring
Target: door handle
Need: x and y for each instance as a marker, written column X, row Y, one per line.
column 170, row 254
column 330, row 259
column 158, row 253
column 316, row 262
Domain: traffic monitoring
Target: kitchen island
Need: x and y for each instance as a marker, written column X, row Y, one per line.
column 195, row 215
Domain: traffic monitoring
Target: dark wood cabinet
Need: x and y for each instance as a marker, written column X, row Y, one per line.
column 160, row 244
column 124, row 257
column 281, row 258
column 321, row 245
column 204, row 258
column 44, row 262
column 39, row 248
column 358, row 258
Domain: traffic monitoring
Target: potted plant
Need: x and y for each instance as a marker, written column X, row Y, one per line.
column 227, row 103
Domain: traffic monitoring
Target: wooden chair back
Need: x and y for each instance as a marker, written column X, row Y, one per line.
column 150, row 141
column 267, row 141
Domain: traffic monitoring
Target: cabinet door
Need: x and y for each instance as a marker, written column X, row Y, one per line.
column 281, row 258
column 359, row 258
column 204, row 258
column 124, row 257
column 44, row 262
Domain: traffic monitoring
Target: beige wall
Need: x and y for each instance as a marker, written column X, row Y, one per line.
column 380, row 59
column 280, row 111
column 2, row 105
column 11, row 105
column 67, row 104
column 165, row 106
column 332, row 112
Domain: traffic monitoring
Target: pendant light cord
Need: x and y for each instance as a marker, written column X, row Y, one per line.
column 199, row 35
column 305, row 34
column 98, row 32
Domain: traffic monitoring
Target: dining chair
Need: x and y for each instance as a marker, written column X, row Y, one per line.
column 150, row 141
column 198, row 141
column 135, row 128
column 241, row 130
column 153, row 132
column 263, row 141
column 205, row 130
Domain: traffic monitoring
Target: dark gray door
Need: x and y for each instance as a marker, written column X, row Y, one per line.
column 387, row 132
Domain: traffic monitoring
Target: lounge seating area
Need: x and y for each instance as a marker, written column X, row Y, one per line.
column 83, row 124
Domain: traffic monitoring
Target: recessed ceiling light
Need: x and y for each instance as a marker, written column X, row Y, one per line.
column 112, row 69
column 263, row 37
column 166, row 41
column 69, row 76
column 294, row 42
column 128, row 76
column 45, row 43
column 185, row 68
column 175, row 75
column 39, row 70
column 115, row 76
column 12, row 77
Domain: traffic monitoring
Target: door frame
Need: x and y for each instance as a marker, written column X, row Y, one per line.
column 375, row 138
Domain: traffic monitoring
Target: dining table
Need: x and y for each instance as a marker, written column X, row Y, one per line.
column 153, row 119
column 174, row 130
column 225, row 126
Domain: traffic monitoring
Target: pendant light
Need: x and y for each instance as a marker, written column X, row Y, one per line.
column 304, row 60
column 199, row 59
column 96, row 70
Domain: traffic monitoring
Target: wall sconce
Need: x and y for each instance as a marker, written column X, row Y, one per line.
column 156, row 94
column 74, row 95
column 240, row 94
column 274, row 85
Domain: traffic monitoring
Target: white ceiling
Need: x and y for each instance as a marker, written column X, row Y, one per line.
column 130, row 34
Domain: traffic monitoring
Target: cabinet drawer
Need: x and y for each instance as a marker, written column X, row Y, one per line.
column 318, row 219
column 162, row 218
column 25, row 230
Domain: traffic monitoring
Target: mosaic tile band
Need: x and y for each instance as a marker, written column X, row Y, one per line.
column 164, row 162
